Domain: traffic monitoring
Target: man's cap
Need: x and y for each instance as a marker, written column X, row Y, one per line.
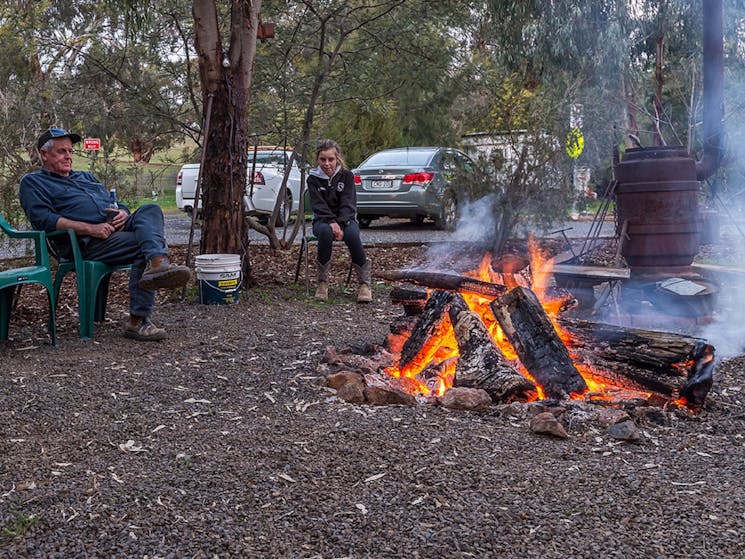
column 53, row 133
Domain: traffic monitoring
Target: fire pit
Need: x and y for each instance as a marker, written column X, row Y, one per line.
column 513, row 344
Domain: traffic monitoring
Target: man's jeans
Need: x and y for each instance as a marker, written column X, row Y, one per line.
column 141, row 239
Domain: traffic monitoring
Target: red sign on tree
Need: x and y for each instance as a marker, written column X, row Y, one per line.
column 92, row 143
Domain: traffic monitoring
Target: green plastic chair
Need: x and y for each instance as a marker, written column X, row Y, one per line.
column 40, row 272
column 92, row 283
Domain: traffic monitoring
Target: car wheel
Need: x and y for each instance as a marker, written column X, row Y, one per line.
column 449, row 213
column 417, row 219
column 285, row 210
column 364, row 221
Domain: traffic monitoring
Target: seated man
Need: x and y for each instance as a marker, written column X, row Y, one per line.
column 56, row 197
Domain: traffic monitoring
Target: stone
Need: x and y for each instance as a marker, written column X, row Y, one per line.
column 543, row 406
column 337, row 380
column 545, row 423
column 651, row 415
column 340, row 360
column 625, row 431
column 330, row 355
column 611, row 416
column 469, row 399
column 385, row 396
column 352, row 392
column 513, row 409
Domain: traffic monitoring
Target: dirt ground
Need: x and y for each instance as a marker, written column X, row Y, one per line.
column 223, row 441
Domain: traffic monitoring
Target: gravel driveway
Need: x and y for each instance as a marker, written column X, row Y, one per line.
column 223, row 442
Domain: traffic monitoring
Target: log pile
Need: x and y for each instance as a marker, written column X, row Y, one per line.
column 667, row 364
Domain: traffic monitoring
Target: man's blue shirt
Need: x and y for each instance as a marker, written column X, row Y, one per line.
column 47, row 196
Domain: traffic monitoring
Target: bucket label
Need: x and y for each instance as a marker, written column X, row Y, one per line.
column 227, row 283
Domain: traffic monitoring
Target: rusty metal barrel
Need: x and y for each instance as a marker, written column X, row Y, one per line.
column 657, row 197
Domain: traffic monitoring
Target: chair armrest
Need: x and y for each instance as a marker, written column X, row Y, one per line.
column 39, row 238
column 76, row 252
column 14, row 233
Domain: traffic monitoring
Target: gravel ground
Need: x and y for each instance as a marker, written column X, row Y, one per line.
column 223, row 441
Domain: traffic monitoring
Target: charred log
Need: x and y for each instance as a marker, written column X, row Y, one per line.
column 412, row 300
column 447, row 282
column 433, row 313
column 481, row 364
column 536, row 342
column 668, row 363
column 400, row 295
column 403, row 325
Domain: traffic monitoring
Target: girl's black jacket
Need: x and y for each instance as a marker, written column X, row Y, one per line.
column 332, row 199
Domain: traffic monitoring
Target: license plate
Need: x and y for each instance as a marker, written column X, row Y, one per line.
column 382, row 185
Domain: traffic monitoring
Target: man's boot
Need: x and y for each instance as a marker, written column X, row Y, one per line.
column 322, row 290
column 161, row 274
column 364, row 276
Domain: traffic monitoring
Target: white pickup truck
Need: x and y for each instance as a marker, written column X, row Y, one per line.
column 261, row 193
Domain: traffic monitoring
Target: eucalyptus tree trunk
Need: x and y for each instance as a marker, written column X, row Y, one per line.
column 225, row 75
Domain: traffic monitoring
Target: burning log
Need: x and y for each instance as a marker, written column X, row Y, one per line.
column 412, row 300
column 663, row 362
column 481, row 364
column 433, row 313
column 536, row 342
column 446, row 282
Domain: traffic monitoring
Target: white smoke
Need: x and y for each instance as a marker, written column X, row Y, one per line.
column 475, row 221
column 727, row 332
column 475, row 227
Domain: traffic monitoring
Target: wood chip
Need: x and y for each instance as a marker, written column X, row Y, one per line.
column 131, row 446
column 376, row 477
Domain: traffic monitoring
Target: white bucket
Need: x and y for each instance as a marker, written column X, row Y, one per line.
column 219, row 278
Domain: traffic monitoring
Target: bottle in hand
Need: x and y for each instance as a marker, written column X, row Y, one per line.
column 113, row 207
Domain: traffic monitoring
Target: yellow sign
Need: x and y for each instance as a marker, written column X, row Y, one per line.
column 575, row 143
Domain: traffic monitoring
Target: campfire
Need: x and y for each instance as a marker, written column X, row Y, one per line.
column 501, row 329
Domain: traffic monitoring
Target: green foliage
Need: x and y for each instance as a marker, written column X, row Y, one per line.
column 363, row 126
column 18, row 524
column 69, row 64
column 392, row 82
